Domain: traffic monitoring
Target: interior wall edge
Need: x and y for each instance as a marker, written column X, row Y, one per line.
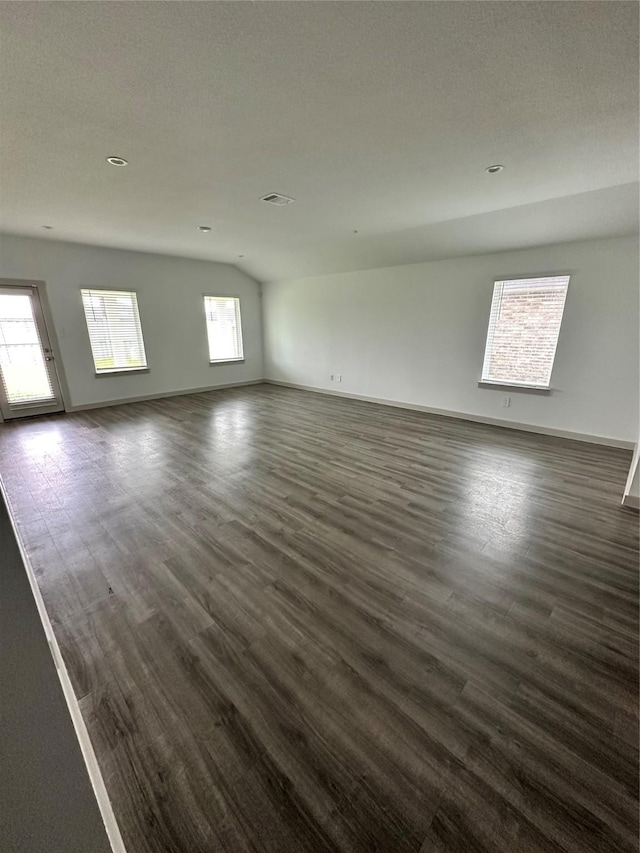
column 88, row 754
column 465, row 416
column 631, row 496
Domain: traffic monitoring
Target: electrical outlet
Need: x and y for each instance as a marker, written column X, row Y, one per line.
column 331, row 377
column 338, row 377
column 506, row 401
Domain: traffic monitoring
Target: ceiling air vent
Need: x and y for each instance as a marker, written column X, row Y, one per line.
column 276, row 198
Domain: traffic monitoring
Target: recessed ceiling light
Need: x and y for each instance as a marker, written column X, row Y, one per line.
column 493, row 169
column 117, row 161
column 204, row 228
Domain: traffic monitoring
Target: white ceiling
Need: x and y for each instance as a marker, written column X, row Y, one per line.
column 378, row 117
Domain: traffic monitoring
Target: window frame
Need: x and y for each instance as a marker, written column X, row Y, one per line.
column 238, row 305
column 510, row 383
column 111, row 371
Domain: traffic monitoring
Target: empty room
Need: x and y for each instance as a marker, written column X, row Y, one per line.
column 319, row 426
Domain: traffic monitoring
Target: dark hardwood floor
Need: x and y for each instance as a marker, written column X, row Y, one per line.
column 302, row 623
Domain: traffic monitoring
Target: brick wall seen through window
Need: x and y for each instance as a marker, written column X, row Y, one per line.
column 523, row 330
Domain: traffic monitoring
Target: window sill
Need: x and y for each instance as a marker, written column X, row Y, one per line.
column 511, row 386
column 225, row 360
column 116, row 370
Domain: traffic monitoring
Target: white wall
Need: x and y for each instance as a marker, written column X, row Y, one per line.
column 171, row 312
column 416, row 334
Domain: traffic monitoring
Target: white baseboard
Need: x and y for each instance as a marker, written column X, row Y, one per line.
column 631, row 501
column 448, row 413
column 90, row 760
column 161, row 395
column 465, row 416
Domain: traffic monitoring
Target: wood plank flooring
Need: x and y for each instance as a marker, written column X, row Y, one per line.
column 309, row 624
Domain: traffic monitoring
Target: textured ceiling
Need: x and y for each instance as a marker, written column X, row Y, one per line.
column 377, row 117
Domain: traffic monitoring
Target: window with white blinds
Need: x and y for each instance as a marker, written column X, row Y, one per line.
column 523, row 331
column 114, row 328
column 224, row 328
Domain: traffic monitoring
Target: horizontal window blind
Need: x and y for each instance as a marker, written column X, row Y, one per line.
column 23, row 368
column 524, row 326
column 224, row 328
column 114, row 328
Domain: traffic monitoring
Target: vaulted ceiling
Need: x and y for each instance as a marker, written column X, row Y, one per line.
column 376, row 117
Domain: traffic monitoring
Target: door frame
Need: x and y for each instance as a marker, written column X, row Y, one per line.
column 47, row 318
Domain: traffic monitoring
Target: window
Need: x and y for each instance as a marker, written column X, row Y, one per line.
column 114, row 330
column 523, row 331
column 224, row 329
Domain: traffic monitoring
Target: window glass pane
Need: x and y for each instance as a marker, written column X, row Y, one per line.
column 224, row 328
column 523, row 330
column 24, row 373
column 114, row 328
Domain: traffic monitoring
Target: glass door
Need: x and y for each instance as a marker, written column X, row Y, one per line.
column 28, row 380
